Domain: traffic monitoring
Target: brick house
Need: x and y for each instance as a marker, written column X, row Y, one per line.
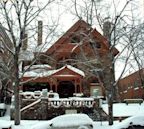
column 131, row 86
column 69, row 64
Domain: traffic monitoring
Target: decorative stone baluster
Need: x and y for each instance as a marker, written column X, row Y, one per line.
column 44, row 93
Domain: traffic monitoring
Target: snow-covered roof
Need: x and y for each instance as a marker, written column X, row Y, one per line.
column 41, row 66
column 39, row 73
column 124, row 110
column 46, row 73
column 75, row 70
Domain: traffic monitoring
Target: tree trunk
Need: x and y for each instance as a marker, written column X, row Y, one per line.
column 16, row 91
column 109, row 80
column 110, row 108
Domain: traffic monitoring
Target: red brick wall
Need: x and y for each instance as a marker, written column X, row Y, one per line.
column 131, row 86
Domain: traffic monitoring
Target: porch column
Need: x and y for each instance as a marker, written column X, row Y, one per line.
column 75, row 84
column 80, row 86
column 51, row 86
column 55, row 88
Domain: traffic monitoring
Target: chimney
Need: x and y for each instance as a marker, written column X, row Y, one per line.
column 40, row 26
column 25, row 42
column 107, row 29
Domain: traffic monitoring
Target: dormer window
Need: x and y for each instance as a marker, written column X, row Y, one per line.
column 75, row 39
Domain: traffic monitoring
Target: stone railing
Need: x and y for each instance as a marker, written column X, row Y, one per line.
column 54, row 101
column 46, row 108
column 67, row 103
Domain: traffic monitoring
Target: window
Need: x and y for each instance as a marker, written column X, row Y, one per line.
column 75, row 39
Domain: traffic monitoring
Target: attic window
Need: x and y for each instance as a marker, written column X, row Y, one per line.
column 95, row 44
column 75, row 39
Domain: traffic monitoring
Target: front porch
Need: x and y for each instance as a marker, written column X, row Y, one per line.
column 65, row 81
column 47, row 105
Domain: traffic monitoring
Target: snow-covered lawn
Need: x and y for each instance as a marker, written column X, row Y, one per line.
column 124, row 110
column 120, row 109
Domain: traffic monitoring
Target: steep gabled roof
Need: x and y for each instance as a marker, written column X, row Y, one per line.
column 66, row 36
column 60, row 43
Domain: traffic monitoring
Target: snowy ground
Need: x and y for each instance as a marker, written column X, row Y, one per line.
column 124, row 110
column 134, row 110
column 31, row 124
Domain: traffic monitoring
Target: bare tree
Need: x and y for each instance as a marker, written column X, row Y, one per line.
column 17, row 17
column 118, row 27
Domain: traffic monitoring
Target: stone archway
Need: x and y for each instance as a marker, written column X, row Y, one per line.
column 66, row 89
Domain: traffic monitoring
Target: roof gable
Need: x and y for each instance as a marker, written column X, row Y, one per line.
column 66, row 36
column 68, row 70
column 80, row 26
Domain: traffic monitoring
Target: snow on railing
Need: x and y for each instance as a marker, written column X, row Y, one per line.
column 55, row 102
column 71, row 103
column 38, row 95
column 30, row 105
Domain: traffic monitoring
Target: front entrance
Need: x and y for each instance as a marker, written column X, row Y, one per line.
column 66, row 89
